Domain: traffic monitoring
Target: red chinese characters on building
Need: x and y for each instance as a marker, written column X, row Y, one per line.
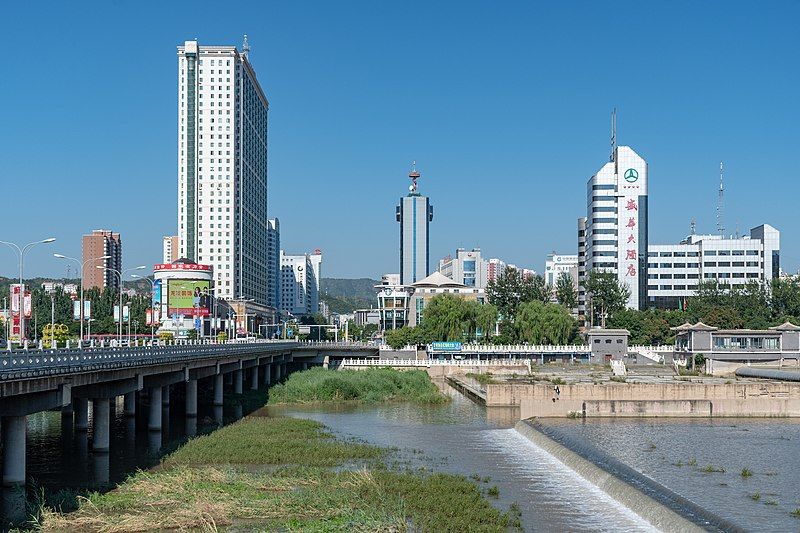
column 631, row 223
column 631, row 254
column 631, row 271
column 631, row 206
column 631, row 239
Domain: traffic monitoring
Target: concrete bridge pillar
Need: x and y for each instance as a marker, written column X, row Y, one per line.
column 268, row 374
column 218, row 384
column 229, row 379
column 101, row 413
column 129, row 404
column 191, row 398
column 165, row 396
column 284, row 373
column 154, row 422
column 254, row 378
column 14, row 433
column 81, row 407
column 237, row 381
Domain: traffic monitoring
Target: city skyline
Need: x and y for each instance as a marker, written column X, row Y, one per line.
column 696, row 97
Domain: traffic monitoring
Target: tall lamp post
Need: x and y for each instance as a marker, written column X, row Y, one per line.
column 21, row 252
column 82, row 264
column 153, row 310
column 120, row 275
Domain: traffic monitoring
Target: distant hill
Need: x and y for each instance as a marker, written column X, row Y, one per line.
column 347, row 295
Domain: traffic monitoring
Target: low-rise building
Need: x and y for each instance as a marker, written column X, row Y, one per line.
column 674, row 270
column 467, row 268
column 435, row 285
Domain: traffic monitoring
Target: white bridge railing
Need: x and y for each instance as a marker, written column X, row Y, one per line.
column 434, row 362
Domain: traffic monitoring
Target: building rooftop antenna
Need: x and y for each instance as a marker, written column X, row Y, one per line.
column 613, row 157
column 693, row 227
column 720, row 201
column 414, row 175
column 245, row 47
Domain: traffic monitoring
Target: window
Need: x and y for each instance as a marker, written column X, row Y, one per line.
column 665, row 265
column 710, row 252
column 737, row 252
column 665, row 254
column 709, row 264
column 724, row 264
column 738, row 263
column 724, row 252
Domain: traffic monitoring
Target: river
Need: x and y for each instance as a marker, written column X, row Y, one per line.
column 465, row 438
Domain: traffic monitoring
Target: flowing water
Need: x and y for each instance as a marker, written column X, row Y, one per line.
column 465, row 438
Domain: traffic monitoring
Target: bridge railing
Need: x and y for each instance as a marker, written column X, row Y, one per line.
column 433, row 362
column 518, row 348
column 76, row 360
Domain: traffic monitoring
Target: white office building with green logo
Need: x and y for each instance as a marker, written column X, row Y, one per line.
column 613, row 236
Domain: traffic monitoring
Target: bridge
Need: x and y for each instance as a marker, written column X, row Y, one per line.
column 36, row 380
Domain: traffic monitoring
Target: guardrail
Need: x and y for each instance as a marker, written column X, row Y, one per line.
column 433, row 362
column 67, row 361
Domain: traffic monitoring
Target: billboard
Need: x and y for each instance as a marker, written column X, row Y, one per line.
column 190, row 297
column 446, row 346
column 76, row 309
column 157, row 293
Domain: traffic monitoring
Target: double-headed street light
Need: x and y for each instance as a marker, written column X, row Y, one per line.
column 120, row 275
column 21, row 252
column 153, row 309
column 82, row 264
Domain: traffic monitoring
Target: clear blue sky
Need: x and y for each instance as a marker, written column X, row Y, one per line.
column 504, row 105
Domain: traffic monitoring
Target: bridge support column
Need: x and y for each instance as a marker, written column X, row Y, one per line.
column 268, row 374
column 129, row 404
column 237, row 381
column 154, row 422
column 254, row 378
column 101, row 411
column 218, row 383
column 284, row 373
column 191, row 398
column 14, row 430
column 81, row 406
column 228, row 379
column 165, row 396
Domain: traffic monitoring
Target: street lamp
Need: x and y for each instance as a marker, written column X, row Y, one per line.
column 120, row 274
column 153, row 310
column 83, row 266
column 21, row 253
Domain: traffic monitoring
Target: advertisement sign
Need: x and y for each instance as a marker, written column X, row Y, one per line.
column 15, row 299
column 181, row 266
column 188, row 297
column 125, row 313
column 27, row 305
column 76, row 310
column 446, row 346
column 16, row 307
column 116, row 313
column 152, row 317
column 157, row 293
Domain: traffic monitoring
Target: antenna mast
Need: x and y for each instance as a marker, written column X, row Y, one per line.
column 245, row 47
column 613, row 156
column 720, row 200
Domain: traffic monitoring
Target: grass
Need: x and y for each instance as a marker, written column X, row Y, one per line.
column 710, row 469
column 746, row 472
column 755, row 497
column 373, row 385
column 557, row 381
column 483, row 378
column 618, row 379
column 234, row 477
column 796, row 512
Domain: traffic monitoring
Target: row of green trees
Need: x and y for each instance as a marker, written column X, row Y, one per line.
column 59, row 306
column 519, row 309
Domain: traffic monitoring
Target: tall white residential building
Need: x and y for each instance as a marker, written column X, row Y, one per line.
column 300, row 283
column 556, row 264
column 467, row 268
column 674, row 270
column 169, row 247
column 274, row 257
column 222, row 168
column 616, row 223
column 494, row 267
column 414, row 213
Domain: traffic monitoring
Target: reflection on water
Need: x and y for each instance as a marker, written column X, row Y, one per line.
column 59, row 456
column 686, row 454
column 464, row 438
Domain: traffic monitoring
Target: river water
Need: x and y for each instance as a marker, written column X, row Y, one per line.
column 465, row 438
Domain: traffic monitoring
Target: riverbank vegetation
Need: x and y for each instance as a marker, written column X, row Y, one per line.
column 284, row 474
column 372, row 385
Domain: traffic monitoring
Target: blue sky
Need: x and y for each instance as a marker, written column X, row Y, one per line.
column 504, row 105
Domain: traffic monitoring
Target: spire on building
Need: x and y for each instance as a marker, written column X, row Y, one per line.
column 613, row 156
column 414, row 175
column 720, row 200
column 245, row 47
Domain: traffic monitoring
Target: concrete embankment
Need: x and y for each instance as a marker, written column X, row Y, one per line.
column 663, row 508
column 767, row 399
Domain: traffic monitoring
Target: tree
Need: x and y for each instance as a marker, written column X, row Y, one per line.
column 511, row 288
column 544, row 323
column 565, row 291
column 606, row 295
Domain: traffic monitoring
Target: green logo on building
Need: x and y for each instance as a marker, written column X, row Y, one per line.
column 631, row 175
